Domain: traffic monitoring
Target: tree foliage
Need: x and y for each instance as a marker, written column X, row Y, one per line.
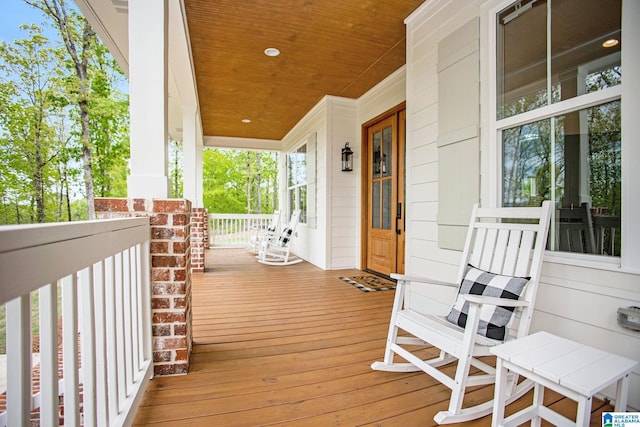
column 28, row 114
column 62, row 117
column 240, row 181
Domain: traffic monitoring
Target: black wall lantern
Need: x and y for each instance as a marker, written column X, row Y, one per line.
column 347, row 158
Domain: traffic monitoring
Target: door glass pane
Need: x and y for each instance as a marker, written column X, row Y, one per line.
column 376, row 147
column 387, row 151
column 583, row 46
column 375, row 205
column 575, row 161
column 386, row 204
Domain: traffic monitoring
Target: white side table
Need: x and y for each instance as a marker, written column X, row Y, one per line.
column 567, row 367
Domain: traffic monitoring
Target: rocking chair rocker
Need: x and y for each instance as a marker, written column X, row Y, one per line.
column 497, row 282
column 277, row 251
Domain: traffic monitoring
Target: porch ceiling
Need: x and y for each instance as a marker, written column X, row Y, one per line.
column 328, row 47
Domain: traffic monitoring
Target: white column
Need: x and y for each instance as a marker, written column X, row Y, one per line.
column 148, row 98
column 192, row 157
column 630, row 131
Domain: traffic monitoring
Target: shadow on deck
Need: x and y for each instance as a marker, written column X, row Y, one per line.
column 293, row 346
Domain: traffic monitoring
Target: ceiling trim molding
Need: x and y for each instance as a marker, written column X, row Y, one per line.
column 242, row 143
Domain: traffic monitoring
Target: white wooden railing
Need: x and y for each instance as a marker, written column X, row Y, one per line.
column 233, row 230
column 99, row 270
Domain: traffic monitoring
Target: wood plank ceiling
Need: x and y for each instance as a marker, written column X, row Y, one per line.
column 328, row 47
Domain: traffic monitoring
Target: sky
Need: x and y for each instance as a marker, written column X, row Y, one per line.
column 15, row 13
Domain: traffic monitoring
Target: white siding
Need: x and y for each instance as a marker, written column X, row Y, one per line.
column 345, row 201
column 335, row 242
column 310, row 243
column 578, row 303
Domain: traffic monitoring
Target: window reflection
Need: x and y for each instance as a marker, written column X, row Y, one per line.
column 581, row 172
column 375, row 201
column 297, row 181
column 387, row 140
column 386, row 204
column 377, row 154
column 539, row 64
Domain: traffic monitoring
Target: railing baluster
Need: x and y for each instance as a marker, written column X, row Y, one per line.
column 145, row 297
column 119, row 332
column 70, row 350
column 127, row 326
column 102, row 392
column 112, row 342
column 135, row 308
column 88, row 340
column 18, row 320
column 48, row 312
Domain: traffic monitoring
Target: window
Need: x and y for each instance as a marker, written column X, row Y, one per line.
column 558, row 117
column 297, row 182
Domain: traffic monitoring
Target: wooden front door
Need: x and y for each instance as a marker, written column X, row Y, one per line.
column 384, row 196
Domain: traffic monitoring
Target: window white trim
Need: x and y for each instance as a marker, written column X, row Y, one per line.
column 562, row 107
column 491, row 187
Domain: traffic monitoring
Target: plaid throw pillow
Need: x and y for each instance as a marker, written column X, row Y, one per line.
column 492, row 318
column 284, row 237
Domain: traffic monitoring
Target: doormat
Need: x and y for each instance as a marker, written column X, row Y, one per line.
column 370, row 283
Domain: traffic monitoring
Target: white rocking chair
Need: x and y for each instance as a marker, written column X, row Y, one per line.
column 258, row 234
column 277, row 251
column 503, row 247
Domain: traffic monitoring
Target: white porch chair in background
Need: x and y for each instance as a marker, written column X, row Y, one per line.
column 258, row 234
column 497, row 282
column 276, row 251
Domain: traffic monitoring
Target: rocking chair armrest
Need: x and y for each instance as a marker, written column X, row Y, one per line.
column 404, row 278
column 505, row 302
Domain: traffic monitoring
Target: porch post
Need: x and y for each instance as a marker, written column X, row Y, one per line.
column 192, row 179
column 148, row 98
column 192, row 156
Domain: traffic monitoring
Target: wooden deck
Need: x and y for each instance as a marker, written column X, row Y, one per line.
column 293, row 346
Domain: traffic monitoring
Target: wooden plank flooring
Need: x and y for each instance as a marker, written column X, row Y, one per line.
column 292, row 346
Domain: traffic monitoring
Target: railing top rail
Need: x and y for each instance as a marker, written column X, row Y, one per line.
column 36, row 254
column 21, row 236
column 240, row 216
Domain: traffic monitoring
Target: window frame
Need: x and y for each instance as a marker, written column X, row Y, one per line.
column 491, row 137
column 297, row 187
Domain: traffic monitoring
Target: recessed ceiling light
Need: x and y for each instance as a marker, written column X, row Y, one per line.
column 246, row 120
column 271, row 51
column 610, row 43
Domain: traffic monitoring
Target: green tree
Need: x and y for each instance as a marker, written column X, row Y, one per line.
column 28, row 88
column 79, row 40
column 55, row 127
column 109, row 125
column 175, row 169
column 235, row 181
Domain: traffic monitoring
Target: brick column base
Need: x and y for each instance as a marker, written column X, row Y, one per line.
column 199, row 238
column 170, row 274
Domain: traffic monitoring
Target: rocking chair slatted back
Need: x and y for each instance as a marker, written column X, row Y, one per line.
column 508, row 249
